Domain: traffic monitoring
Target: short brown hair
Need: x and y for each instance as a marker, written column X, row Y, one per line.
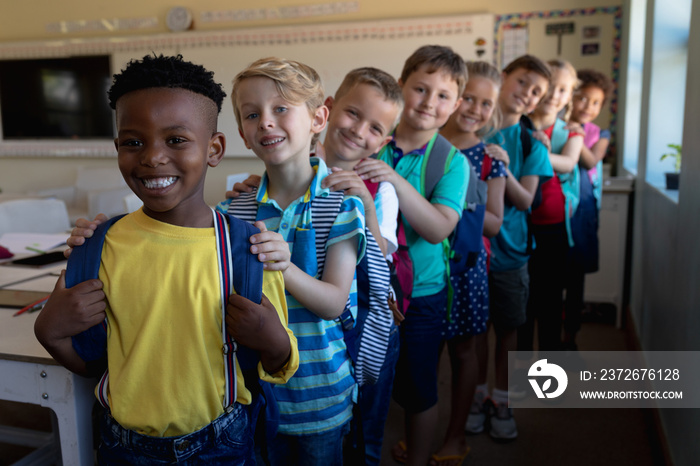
column 437, row 57
column 380, row 80
column 530, row 63
column 296, row 82
column 593, row 78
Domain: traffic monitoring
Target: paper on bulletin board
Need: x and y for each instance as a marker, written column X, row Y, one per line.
column 515, row 41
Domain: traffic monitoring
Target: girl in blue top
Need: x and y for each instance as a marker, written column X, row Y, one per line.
column 476, row 117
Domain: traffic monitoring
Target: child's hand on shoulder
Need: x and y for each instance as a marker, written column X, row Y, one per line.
column 350, row 182
column 84, row 228
column 496, row 152
column 574, row 127
column 540, row 136
column 70, row 311
column 376, row 171
column 271, row 249
column 253, row 181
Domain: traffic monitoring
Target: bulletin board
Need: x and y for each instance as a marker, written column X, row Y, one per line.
column 587, row 38
column 332, row 49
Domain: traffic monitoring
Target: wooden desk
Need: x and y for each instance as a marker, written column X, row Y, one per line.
column 28, row 374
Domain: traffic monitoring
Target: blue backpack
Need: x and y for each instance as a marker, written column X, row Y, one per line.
column 246, row 275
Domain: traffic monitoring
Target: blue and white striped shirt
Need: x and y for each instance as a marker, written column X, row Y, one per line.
column 319, row 396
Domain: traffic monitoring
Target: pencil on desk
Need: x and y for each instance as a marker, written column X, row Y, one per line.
column 31, row 306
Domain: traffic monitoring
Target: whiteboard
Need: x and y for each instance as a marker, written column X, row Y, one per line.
column 331, row 49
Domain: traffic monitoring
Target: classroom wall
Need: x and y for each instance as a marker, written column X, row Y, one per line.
column 27, row 21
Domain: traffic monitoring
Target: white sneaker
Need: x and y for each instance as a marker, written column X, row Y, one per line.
column 477, row 415
column 502, row 423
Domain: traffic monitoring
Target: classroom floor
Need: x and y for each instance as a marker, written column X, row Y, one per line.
column 569, row 437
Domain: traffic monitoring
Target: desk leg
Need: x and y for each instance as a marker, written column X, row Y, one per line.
column 73, row 409
column 69, row 396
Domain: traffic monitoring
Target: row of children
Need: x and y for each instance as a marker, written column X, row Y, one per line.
column 166, row 120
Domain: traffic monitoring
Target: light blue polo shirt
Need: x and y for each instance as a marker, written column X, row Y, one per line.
column 429, row 271
column 509, row 246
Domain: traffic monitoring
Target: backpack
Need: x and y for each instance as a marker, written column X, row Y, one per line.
column 366, row 336
column 569, row 182
column 245, row 276
column 461, row 247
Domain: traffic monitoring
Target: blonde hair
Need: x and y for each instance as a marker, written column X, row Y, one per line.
column 296, row 82
column 490, row 72
column 563, row 65
column 380, row 80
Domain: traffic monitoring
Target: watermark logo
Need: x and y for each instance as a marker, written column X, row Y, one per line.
column 546, row 372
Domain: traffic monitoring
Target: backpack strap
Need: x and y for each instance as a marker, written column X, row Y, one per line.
column 560, row 135
column 525, row 141
column 570, row 182
column 372, row 187
column 84, row 264
column 526, row 144
column 438, row 156
column 485, row 167
column 239, row 269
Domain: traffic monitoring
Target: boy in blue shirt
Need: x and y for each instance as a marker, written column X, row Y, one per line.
column 432, row 82
column 279, row 109
column 166, row 396
column 525, row 83
column 363, row 113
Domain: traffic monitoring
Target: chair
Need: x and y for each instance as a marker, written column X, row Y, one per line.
column 33, row 216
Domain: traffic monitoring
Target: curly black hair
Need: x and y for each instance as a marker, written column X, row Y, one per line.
column 165, row 71
column 593, row 78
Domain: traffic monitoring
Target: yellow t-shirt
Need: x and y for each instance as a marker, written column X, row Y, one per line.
column 164, row 342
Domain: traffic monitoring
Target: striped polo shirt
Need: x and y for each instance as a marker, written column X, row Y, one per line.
column 319, row 396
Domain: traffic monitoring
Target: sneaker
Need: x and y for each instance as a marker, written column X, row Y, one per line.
column 502, row 422
column 518, row 388
column 477, row 414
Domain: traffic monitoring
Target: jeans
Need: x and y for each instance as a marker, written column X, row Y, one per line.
column 227, row 440
column 324, row 449
column 372, row 409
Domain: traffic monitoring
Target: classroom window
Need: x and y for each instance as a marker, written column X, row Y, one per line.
column 633, row 84
column 671, row 27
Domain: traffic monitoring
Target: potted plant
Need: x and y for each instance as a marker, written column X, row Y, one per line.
column 672, row 177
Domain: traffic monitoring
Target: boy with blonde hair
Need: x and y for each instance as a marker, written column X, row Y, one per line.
column 279, row 108
column 363, row 112
column 432, row 82
column 167, row 394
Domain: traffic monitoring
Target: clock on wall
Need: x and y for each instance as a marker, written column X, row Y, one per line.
column 178, row 19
